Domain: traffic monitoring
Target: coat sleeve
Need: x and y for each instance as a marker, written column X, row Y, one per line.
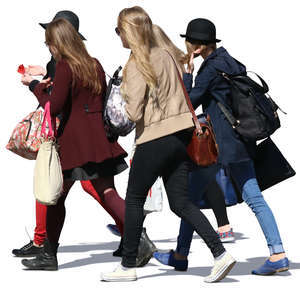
column 201, row 86
column 50, row 72
column 60, row 92
column 136, row 90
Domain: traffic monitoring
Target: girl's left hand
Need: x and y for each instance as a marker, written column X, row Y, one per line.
column 26, row 79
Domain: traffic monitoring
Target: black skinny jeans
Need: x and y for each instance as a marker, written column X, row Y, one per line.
column 215, row 197
column 164, row 157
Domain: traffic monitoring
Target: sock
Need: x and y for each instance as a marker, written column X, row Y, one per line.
column 126, row 268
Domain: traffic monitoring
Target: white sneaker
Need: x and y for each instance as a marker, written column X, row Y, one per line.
column 119, row 274
column 221, row 268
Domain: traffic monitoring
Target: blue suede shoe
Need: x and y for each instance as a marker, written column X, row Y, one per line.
column 168, row 259
column 270, row 268
column 113, row 229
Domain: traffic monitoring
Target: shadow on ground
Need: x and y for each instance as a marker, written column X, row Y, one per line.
column 114, row 245
column 238, row 236
column 240, row 269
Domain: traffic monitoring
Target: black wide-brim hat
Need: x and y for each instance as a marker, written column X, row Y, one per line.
column 201, row 30
column 69, row 16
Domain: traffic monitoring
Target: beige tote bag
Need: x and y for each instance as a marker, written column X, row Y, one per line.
column 48, row 177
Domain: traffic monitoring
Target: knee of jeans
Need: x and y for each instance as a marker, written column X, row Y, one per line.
column 135, row 198
column 178, row 208
column 253, row 196
column 254, row 203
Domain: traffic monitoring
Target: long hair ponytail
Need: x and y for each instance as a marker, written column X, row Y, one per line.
column 136, row 27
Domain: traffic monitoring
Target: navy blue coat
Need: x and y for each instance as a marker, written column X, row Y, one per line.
column 209, row 88
column 235, row 156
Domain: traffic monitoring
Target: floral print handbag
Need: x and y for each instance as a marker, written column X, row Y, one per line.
column 114, row 116
column 25, row 139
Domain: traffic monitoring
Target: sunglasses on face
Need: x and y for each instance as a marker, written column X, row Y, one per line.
column 117, row 31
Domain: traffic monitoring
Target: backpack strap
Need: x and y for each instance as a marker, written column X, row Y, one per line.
column 231, row 119
column 263, row 87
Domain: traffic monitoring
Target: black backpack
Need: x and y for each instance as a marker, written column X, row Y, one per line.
column 254, row 113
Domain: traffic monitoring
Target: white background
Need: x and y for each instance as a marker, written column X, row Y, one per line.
column 262, row 34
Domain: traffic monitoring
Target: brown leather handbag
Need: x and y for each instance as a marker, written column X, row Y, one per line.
column 203, row 148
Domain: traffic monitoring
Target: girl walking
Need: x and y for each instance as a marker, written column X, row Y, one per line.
column 155, row 102
column 234, row 153
column 78, row 89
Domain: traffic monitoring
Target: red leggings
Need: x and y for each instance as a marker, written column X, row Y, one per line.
column 113, row 204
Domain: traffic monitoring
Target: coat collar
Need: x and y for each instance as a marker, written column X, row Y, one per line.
column 217, row 52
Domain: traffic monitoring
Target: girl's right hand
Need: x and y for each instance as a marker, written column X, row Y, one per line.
column 36, row 70
column 190, row 65
column 47, row 81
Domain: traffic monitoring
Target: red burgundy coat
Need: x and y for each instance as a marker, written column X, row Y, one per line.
column 81, row 134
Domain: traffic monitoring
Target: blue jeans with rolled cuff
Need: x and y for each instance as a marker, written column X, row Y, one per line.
column 244, row 176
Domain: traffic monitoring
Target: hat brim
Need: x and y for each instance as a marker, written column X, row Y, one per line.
column 185, row 36
column 44, row 25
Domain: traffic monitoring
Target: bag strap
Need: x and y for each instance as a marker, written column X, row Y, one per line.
column 187, row 98
column 263, row 87
column 109, row 86
column 264, row 84
column 231, row 119
column 47, row 118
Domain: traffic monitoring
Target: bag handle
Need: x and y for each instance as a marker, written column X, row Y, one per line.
column 187, row 98
column 47, row 118
column 264, row 84
column 263, row 87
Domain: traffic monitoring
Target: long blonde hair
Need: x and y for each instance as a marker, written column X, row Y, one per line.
column 67, row 44
column 135, row 26
column 163, row 41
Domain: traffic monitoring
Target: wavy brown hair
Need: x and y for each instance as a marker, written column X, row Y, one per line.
column 65, row 43
column 135, row 26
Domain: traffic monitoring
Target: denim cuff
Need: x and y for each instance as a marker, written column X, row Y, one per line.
column 275, row 249
column 128, row 262
column 183, row 251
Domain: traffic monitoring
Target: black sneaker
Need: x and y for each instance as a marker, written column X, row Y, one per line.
column 43, row 261
column 28, row 250
column 46, row 260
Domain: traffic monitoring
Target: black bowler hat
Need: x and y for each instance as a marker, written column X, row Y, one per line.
column 69, row 16
column 201, row 30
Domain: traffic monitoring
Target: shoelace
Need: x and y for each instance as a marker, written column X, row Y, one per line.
column 28, row 246
column 117, row 267
column 28, row 234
